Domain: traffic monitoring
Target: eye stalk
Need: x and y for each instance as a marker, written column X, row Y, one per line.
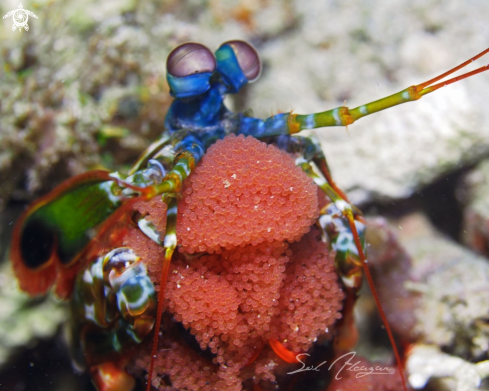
column 238, row 63
column 189, row 68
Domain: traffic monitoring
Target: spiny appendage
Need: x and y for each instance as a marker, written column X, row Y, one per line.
column 346, row 231
column 335, row 225
column 343, row 116
column 169, row 243
column 114, row 305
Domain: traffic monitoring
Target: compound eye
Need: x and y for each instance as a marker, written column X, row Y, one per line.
column 248, row 58
column 190, row 58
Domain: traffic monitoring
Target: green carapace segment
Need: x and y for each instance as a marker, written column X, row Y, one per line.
column 66, row 223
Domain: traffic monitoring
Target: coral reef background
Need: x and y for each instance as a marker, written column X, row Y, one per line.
column 85, row 88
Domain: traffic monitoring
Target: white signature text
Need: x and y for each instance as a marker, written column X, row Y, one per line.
column 349, row 365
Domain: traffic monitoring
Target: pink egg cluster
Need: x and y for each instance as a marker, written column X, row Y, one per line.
column 235, row 293
column 311, row 299
column 245, row 191
column 248, row 286
column 233, row 303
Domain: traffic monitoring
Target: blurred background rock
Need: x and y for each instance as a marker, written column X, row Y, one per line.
column 85, row 88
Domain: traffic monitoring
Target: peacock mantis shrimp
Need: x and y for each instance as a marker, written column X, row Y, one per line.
column 76, row 237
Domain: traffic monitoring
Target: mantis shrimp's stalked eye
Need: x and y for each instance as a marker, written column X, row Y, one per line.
column 248, row 58
column 238, row 63
column 189, row 68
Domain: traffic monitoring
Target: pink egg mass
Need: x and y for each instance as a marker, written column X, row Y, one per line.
column 251, row 268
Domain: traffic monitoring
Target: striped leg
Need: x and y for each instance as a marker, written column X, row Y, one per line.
column 188, row 152
column 346, row 231
column 335, row 221
column 170, row 243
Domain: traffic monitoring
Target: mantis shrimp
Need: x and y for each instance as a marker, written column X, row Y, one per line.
column 93, row 236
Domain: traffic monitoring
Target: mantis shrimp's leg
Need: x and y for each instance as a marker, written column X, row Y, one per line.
column 189, row 151
column 345, row 228
column 170, row 243
column 288, row 123
column 347, row 232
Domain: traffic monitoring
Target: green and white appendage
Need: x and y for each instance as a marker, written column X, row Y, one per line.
column 342, row 226
column 114, row 304
column 335, row 223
